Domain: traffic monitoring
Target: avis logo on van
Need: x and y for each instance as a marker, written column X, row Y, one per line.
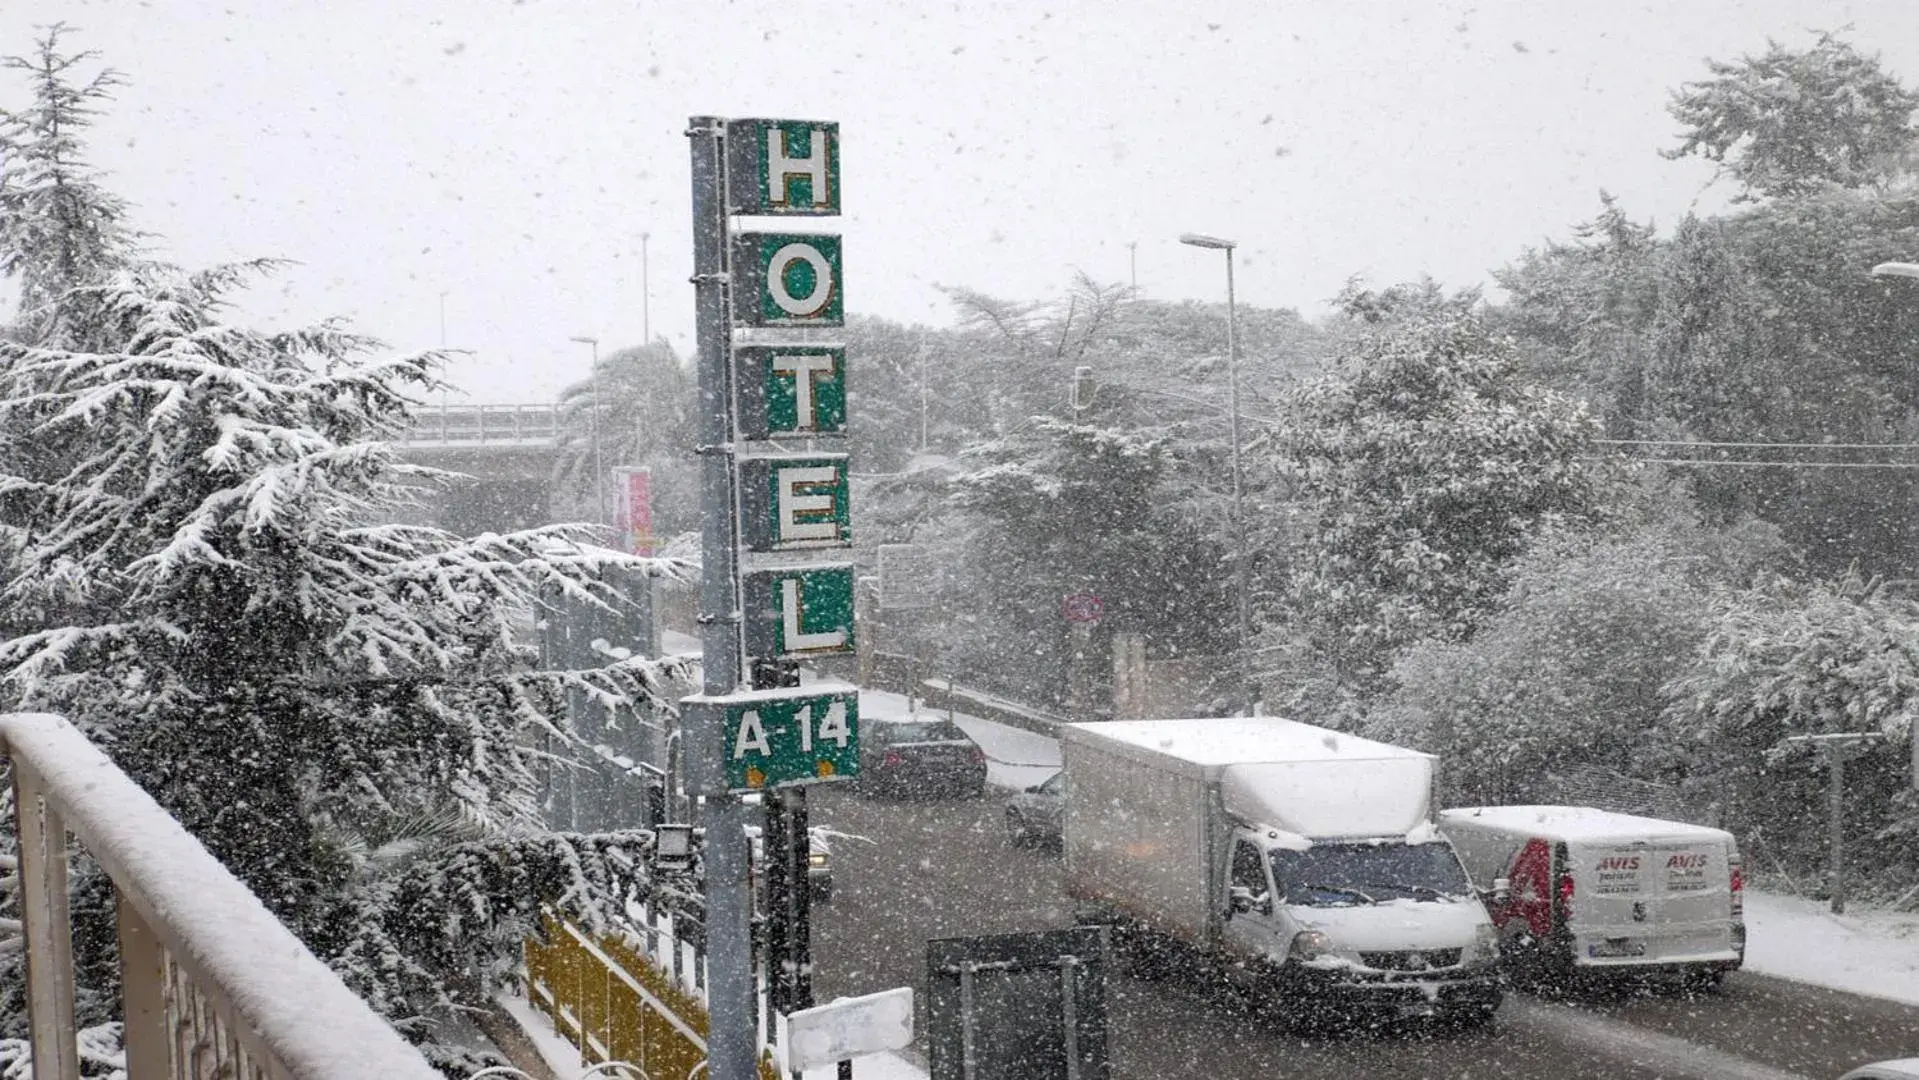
column 1686, row 862
column 1619, row 862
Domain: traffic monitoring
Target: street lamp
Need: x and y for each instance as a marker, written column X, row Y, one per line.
column 593, row 424
column 1242, row 599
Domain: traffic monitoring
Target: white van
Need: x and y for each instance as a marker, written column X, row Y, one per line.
column 1572, row 889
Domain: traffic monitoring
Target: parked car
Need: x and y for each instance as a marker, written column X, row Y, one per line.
column 919, row 755
column 819, row 861
column 1034, row 816
column 1900, row 1069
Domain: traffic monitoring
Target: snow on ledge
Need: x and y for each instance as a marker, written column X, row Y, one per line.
column 216, row 929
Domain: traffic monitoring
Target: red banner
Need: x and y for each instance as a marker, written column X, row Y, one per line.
column 634, row 514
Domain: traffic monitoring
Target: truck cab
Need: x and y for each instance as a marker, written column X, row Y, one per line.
column 1376, row 924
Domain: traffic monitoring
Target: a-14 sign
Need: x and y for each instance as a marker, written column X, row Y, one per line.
column 775, row 738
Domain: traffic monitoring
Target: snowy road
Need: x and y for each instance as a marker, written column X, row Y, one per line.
column 944, row 869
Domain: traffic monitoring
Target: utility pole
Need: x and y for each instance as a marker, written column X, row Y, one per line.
column 1132, row 258
column 646, row 295
column 730, row 1049
column 1837, row 749
column 1243, row 599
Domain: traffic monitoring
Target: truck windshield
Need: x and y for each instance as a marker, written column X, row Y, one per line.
column 1328, row 875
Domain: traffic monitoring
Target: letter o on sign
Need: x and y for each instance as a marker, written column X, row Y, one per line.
column 800, row 307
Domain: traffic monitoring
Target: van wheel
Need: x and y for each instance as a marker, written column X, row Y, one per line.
column 1705, row 982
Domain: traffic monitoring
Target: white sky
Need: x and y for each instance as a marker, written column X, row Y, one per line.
column 512, row 154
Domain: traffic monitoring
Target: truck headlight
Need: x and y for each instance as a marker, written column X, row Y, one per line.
column 817, row 858
column 1307, row 945
column 1485, row 945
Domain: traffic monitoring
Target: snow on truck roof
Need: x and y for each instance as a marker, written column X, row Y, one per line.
column 1236, row 740
column 1576, row 823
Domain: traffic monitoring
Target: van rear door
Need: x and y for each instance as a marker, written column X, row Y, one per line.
column 1614, row 902
column 1693, row 884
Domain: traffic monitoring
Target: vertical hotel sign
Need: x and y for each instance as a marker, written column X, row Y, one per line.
column 789, row 397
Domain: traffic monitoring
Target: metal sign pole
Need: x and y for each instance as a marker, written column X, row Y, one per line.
column 732, row 1053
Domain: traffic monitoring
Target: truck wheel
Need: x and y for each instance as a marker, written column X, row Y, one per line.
column 1704, row 982
column 1473, row 1016
column 1016, row 833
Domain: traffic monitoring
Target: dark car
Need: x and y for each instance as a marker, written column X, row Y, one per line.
column 915, row 756
column 1035, row 816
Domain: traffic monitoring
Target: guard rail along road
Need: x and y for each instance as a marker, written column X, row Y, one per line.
column 214, row 985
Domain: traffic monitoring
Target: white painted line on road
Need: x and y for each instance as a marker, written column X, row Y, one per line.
column 1667, row 1054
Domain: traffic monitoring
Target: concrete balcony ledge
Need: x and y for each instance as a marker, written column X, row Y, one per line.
column 213, row 983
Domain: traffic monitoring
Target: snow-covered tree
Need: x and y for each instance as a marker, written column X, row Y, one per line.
column 638, row 407
column 1789, row 121
column 59, row 226
column 1567, row 671
column 1421, row 466
column 1806, row 658
column 1059, row 508
column 349, row 714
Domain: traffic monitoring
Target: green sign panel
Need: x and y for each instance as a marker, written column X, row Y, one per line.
column 791, row 391
column 795, row 501
column 760, row 739
column 797, row 612
column 783, row 167
column 787, row 279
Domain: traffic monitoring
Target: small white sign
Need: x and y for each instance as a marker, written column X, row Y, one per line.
column 845, row 1028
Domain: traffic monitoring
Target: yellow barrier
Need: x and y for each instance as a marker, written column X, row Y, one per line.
column 615, row 1002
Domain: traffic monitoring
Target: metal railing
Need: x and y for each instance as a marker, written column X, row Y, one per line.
column 443, row 425
column 214, row 987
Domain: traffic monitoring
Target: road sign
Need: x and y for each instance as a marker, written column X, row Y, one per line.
column 787, row 279
column 798, row 611
column 848, row 1027
column 773, row 738
column 1082, row 608
column 791, row 391
column 783, row 167
column 794, row 501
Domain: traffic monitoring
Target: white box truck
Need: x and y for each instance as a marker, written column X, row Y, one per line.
column 1577, row 890
column 1296, row 858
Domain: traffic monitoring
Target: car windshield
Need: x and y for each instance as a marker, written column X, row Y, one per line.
column 1344, row 874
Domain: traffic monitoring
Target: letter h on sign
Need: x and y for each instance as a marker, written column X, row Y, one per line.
column 783, row 167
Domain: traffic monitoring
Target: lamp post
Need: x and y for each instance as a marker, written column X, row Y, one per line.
column 1242, row 600
column 593, row 425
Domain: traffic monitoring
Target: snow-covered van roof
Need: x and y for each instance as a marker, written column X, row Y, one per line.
column 1577, row 823
column 1234, row 740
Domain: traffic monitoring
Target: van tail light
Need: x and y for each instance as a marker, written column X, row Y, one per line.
column 979, row 756
column 892, row 758
column 1738, row 887
column 1563, row 897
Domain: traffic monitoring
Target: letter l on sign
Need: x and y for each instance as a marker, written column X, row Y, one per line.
column 796, row 641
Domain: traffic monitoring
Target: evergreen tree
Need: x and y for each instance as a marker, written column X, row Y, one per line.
column 350, row 715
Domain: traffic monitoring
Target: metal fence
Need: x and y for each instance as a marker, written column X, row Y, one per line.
column 635, row 999
column 214, row 987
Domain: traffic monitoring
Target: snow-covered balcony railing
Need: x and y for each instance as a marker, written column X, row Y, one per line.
column 485, row 425
column 214, row 985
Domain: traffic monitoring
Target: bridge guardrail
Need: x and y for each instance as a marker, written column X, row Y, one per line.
column 485, row 425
